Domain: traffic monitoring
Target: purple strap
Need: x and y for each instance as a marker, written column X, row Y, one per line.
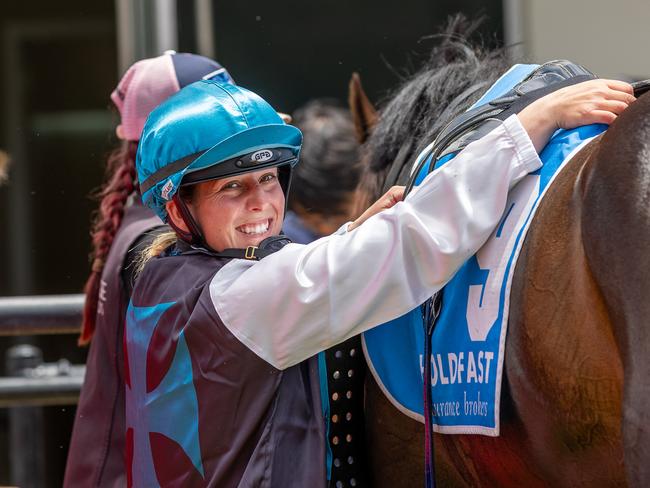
column 430, row 312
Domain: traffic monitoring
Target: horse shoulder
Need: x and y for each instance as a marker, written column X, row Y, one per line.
column 617, row 231
column 562, row 361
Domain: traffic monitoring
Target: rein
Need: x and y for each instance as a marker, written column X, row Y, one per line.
column 641, row 87
column 430, row 312
column 404, row 154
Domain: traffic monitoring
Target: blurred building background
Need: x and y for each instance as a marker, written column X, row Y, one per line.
column 606, row 37
column 60, row 60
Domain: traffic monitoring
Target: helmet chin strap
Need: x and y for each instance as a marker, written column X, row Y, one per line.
column 195, row 235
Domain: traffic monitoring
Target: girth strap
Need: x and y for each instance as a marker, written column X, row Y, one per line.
column 346, row 370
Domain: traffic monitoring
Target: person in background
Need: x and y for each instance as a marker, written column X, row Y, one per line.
column 4, row 166
column 122, row 226
column 324, row 183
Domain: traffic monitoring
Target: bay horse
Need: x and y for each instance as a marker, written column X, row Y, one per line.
column 576, row 395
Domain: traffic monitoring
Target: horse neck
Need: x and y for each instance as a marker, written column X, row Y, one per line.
column 616, row 233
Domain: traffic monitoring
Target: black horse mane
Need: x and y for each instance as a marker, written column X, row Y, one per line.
column 454, row 77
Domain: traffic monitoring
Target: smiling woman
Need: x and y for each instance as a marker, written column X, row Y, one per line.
column 235, row 212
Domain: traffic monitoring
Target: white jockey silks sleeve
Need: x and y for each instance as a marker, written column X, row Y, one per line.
column 307, row 298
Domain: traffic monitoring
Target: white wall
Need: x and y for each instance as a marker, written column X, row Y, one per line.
column 610, row 37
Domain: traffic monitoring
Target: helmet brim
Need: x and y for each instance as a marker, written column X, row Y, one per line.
column 250, row 140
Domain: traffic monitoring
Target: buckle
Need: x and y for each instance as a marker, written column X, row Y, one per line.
column 250, row 252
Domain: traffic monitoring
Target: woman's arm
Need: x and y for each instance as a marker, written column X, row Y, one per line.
column 304, row 299
column 592, row 102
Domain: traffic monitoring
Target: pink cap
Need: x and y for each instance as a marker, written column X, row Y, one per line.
column 150, row 82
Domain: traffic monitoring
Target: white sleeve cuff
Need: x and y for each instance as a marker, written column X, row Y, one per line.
column 525, row 150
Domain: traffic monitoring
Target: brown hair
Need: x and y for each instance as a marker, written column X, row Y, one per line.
column 120, row 183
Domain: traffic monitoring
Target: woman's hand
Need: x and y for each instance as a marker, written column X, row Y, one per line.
column 390, row 198
column 590, row 102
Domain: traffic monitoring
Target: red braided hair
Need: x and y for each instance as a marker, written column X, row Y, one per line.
column 119, row 184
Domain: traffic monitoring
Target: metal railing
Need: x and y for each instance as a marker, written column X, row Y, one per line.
column 40, row 315
column 30, row 381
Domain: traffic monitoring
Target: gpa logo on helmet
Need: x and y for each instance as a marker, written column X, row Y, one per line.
column 262, row 156
column 167, row 189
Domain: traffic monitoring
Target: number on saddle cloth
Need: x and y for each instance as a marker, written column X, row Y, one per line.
column 480, row 120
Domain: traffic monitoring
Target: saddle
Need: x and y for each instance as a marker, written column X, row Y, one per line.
column 479, row 121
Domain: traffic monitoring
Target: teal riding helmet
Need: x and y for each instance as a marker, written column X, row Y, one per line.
column 210, row 130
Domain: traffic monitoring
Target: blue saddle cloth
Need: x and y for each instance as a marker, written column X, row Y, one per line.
column 469, row 338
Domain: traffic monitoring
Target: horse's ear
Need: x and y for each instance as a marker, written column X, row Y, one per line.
column 364, row 114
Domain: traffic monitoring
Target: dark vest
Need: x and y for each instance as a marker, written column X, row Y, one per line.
column 96, row 454
column 202, row 408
